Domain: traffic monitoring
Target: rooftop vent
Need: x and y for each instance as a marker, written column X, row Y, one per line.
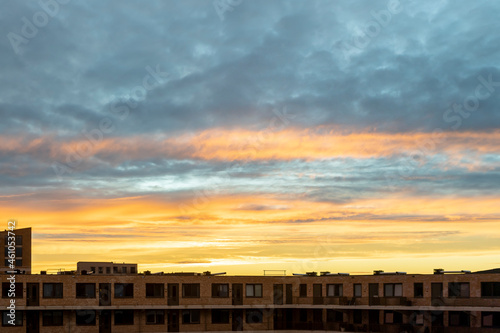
column 442, row 271
column 388, row 273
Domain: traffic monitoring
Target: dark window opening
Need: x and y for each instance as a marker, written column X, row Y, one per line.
column 85, row 317
column 254, row 316
column 459, row 319
column 191, row 316
column 357, row 317
column 303, row 290
column 85, row 290
column 490, row 289
column 220, row 316
column 333, row 316
column 124, row 290
column 418, row 289
column 52, row 318
column 393, row 317
column 220, row 290
column 491, row 319
column 191, row 290
column 6, row 320
column 458, row 289
column 124, row 317
column 53, row 290
column 155, row 290
column 155, row 317
column 8, row 293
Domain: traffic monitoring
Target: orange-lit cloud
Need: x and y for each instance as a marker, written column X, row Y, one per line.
column 228, row 145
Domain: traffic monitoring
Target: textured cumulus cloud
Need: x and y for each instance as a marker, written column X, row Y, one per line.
column 92, row 56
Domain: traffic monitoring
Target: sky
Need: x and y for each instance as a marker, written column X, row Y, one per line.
column 247, row 135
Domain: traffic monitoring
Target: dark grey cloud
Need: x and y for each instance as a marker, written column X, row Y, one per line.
column 263, row 55
column 93, row 57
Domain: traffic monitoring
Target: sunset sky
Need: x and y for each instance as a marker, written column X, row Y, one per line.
column 251, row 135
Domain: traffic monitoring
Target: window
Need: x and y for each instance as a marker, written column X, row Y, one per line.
column 190, row 316
column 155, row 317
column 93, row 269
column 53, row 290
column 19, row 251
column 317, row 315
column 254, row 290
column 124, row 290
column 18, row 321
column 459, row 319
column 8, row 293
column 490, row 289
column 418, row 289
column 124, row 270
column 155, row 290
column 133, row 270
column 303, row 315
column 52, row 318
column 357, row 316
column 191, row 290
column 357, row 290
column 374, row 317
column 393, row 317
column 100, row 270
column 85, row 290
column 458, row 289
column 254, row 316
column 220, row 290
column 19, row 262
column 303, row 290
column 115, row 270
column 333, row 290
column 491, row 319
column 85, row 317
column 333, row 316
column 220, row 316
column 108, row 270
column 19, row 240
column 317, row 290
column 124, row 317
column 393, row 290
column 419, row 318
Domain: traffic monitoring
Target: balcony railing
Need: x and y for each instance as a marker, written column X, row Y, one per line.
column 389, row 301
column 269, row 301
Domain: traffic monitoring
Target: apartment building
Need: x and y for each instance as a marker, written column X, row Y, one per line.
column 190, row 302
column 22, row 260
column 108, row 268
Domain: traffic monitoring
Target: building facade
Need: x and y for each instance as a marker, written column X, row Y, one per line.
column 123, row 300
column 22, row 260
column 203, row 302
column 108, row 268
